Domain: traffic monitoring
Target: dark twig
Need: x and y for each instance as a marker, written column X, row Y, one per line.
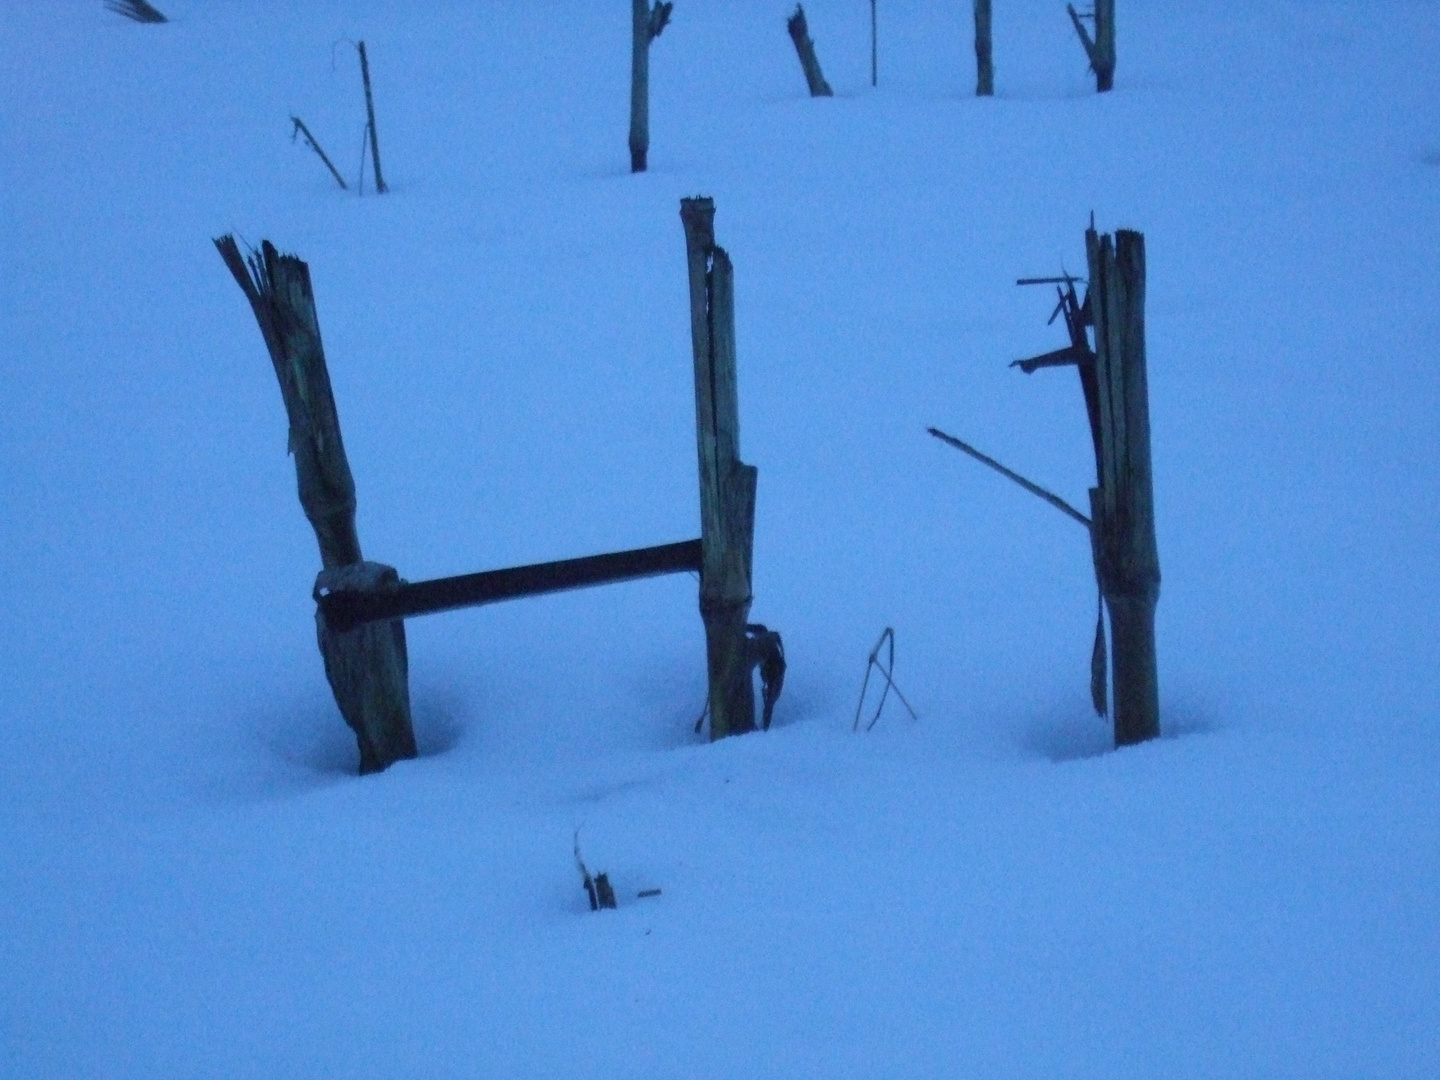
column 1034, row 489
column 887, row 672
column 301, row 129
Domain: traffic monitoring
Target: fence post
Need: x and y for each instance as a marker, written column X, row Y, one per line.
column 984, row 64
column 800, row 34
column 367, row 666
column 646, row 23
column 1100, row 49
column 1122, row 508
column 727, row 485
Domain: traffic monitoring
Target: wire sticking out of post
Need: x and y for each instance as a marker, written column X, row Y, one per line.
column 887, row 672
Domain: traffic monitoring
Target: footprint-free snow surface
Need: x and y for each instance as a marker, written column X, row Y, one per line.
column 194, row 883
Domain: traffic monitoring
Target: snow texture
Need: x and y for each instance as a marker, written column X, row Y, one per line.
column 196, row 885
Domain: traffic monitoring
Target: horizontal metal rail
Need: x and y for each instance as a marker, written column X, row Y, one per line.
column 346, row 610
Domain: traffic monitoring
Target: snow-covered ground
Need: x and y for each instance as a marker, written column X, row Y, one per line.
column 194, row 884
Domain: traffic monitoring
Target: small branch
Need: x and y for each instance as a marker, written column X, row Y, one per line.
column 1034, row 489
column 887, row 672
column 301, row 129
column 138, row 10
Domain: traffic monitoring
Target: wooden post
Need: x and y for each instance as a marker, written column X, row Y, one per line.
column 380, row 187
column 727, row 485
column 646, row 23
column 800, row 34
column 1122, row 508
column 984, row 65
column 1100, row 49
column 367, row 666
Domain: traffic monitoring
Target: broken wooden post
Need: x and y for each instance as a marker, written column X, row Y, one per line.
column 646, row 23
column 984, row 65
column 727, row 485
column 1101, row 48
column 1122, row 508
column 800, row 34
column 367, row 666
column 380, row 187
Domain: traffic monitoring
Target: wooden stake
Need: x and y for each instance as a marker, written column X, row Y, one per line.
column 727, row 485
column 646, row 23
column 1122, row 508
column 367, row 667
column 800, row 34
column 380, row 187
column 984, row 66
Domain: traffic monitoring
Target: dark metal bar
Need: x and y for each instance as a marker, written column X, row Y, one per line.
column 346, row 610
column 1063, row 280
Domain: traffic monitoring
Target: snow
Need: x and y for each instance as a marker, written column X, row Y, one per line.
column 195, row 885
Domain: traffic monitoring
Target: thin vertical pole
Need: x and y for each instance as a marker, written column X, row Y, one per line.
column 984, row 63
column 380, row 187
column 874, row 48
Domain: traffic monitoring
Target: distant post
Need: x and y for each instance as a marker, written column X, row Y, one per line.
column 727, row 485
column 984, row 65
column 1101, row 48
column 1122, row 508
column 805, row 48
column 367, row 666
column 646, row 23
column 380, row 188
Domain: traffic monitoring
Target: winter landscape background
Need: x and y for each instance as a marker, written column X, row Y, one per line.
column 195, row 884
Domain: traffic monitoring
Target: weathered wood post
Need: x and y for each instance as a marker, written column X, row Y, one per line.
column 380, row 188
column 1122, row 508
column 1100, row 49
column 367, row 666
column 727, row 485
column 646, row 23
column 800, row 34
column 984, row 64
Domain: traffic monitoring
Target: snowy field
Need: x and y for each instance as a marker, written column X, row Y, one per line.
column 194, row 883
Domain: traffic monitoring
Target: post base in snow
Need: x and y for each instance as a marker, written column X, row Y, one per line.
column 368, row 670
column 1137, row 681
column 727, row 653
column 638, row 154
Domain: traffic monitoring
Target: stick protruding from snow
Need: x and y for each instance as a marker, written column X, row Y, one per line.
column 800, row 35
column 984, row 63
column 646, row 24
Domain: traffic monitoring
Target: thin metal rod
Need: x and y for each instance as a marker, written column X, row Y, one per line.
column 345, row 610
column 1034, row 489
column 380, row 187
